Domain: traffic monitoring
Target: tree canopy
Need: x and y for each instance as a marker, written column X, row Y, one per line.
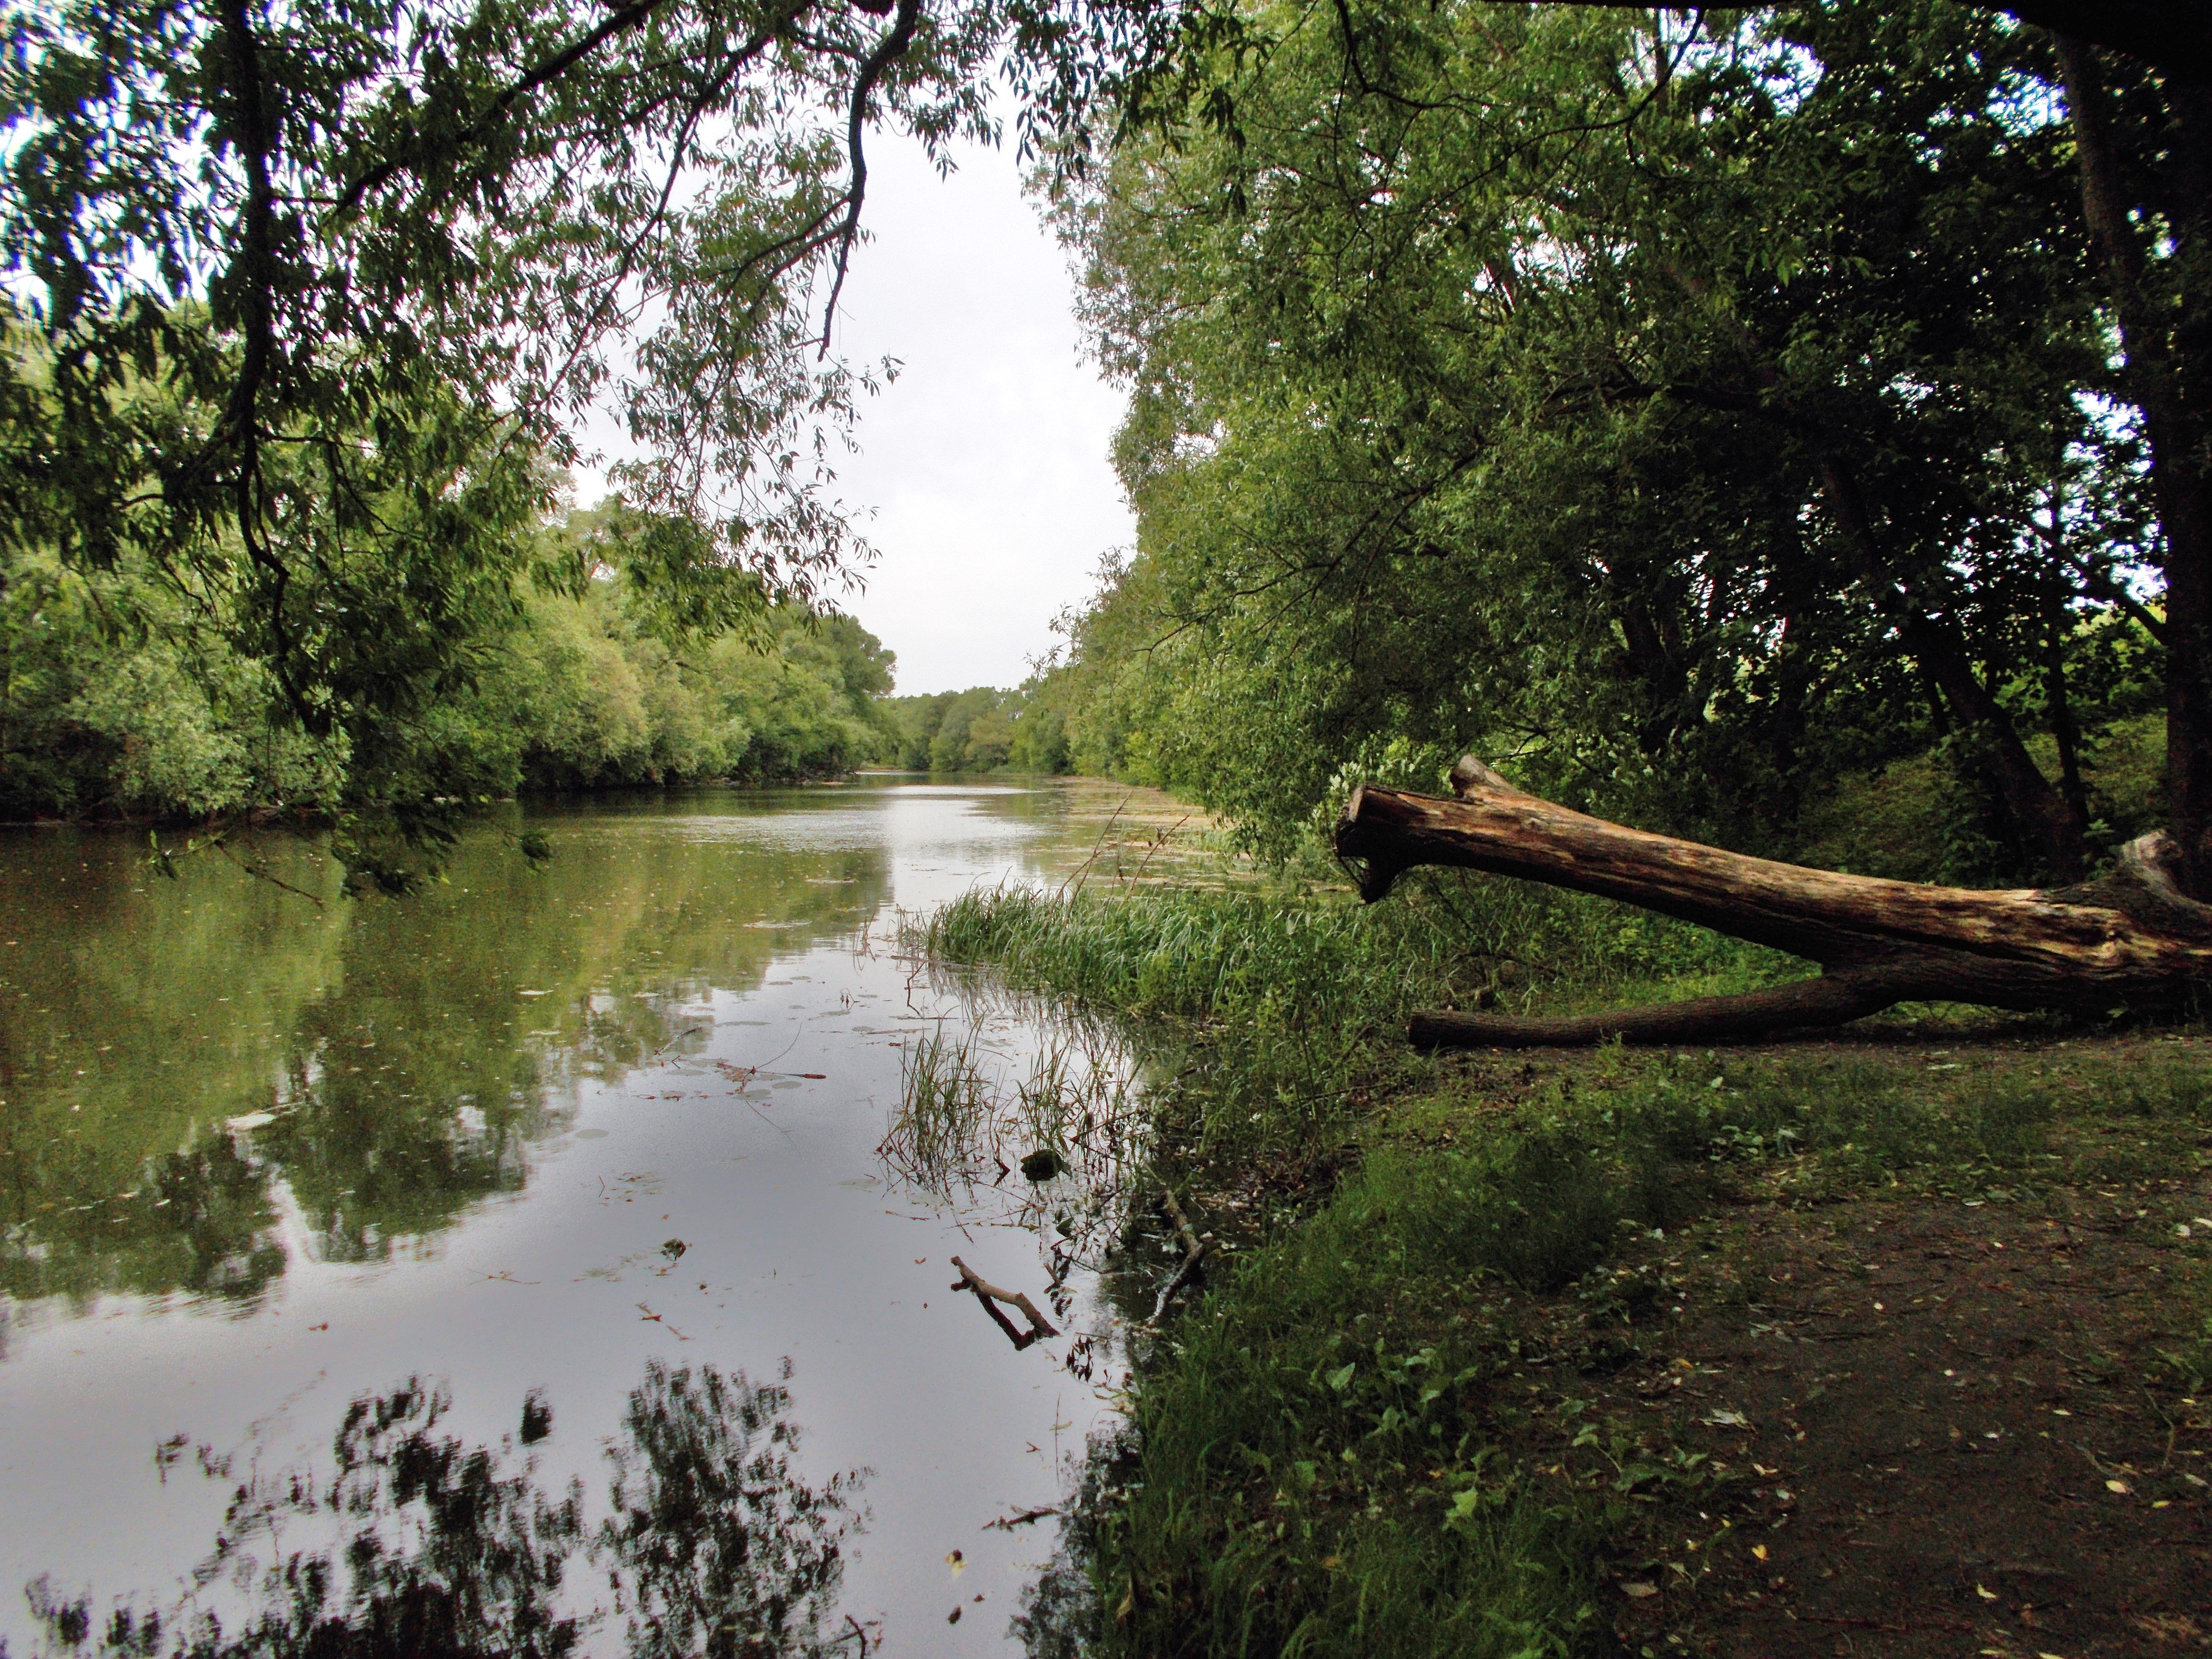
column 1689, row 402
column 303, row 305
column 1687, row 407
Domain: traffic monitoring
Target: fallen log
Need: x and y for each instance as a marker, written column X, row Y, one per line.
column 2131, row 938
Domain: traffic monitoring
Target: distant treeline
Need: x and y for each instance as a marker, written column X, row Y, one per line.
column 982, row 729
column 118, row 700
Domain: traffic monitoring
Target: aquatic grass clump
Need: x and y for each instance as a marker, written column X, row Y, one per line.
column 1049, row 1145
column 943, row 1101
column 1303, row 954
column 1272, row 1016
column 1261, row 1015
column 1195, row 953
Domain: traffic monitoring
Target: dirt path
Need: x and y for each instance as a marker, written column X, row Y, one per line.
column 1933, row 1431
column 1904, row 1425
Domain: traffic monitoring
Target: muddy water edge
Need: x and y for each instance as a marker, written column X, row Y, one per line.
column 563, row 1229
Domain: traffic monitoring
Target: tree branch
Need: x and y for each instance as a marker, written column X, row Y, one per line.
column 622, row 20
column 887, row 53
column 2174, row 35
column 1824, row 999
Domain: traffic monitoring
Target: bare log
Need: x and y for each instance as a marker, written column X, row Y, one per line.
column 991, row 1295
column 2130, row 938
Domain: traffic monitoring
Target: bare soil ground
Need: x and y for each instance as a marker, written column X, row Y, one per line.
column 1901, row 1425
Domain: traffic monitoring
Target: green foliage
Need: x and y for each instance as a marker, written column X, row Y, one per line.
column 1277, row 1012
column 983, row 729
column 113, row 701
column 1603, row 393
column 298, row 285
column 1314, row 1463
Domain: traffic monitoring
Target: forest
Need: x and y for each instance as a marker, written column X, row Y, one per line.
column 117, row 702
column 1681, row 414
column 1684, row 430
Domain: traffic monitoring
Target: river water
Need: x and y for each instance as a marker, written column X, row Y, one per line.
column 600, row 1137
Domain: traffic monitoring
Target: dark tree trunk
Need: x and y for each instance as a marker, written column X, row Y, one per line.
column 2160, row 343
column 2038, row 811
column 2064, row 731
column 2129, row 939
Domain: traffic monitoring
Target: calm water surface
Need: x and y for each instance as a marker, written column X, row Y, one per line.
column 531, row 1131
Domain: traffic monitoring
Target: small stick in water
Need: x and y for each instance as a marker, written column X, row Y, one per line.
column 1194, row 1248
column 990, row 1295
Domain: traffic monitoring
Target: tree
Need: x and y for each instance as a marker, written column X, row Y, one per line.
column 301, row 302
column 1521, row 402
column 1667, row 402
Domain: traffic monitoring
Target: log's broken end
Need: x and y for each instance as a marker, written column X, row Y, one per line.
column 1371, row 874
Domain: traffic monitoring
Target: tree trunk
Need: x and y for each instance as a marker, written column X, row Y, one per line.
column 2038, row 813
column 2129, row 938
column 2160, row 345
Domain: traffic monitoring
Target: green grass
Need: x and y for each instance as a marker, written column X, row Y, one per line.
column 1273, row 1017
column 1303, row 953
column 1314, row 1464
column 1314, row 1461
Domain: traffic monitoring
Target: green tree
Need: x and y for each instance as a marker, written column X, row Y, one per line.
column 301, row 304
column 1684, row 409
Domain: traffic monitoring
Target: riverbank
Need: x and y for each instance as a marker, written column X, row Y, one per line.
column 1901, row 1340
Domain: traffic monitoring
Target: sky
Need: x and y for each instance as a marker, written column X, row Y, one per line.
column 982, row 479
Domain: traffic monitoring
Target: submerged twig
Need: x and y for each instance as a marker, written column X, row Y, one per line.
column 259, row 871
column 1008, row 1522
column 991, row 1295
column 1193, row 1253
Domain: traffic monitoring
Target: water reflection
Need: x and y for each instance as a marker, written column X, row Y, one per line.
column 714, row 1546
column 460, row 1135
column 1040, row 1133
column 382, row 1067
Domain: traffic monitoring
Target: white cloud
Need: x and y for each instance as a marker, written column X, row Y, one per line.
column 986, row 462
column 982, row 479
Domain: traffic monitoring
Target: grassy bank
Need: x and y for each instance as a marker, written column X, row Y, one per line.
column 1277, row 1009
column 1422, row 1416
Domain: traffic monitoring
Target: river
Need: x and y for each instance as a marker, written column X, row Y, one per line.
column 607, row 1148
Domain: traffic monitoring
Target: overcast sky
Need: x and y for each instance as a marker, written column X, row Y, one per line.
column 982, row 479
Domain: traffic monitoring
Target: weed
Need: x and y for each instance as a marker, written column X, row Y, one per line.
column 945, row 1101
column 1071, row 1123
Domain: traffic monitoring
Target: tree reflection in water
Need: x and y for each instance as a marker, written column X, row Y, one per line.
column 719, row 1549
column 436, row 1549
